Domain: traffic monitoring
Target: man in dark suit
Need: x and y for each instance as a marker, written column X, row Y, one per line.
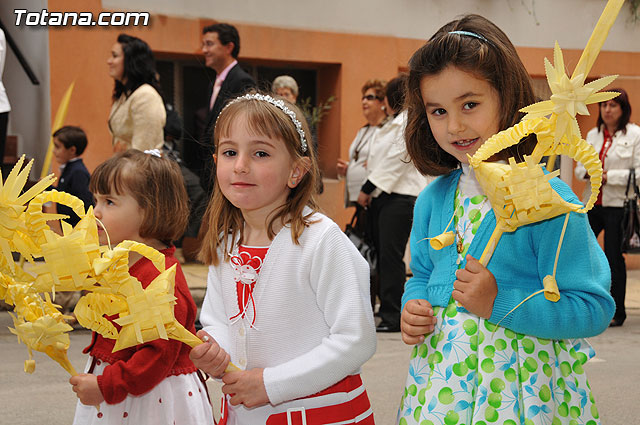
column 220, row 45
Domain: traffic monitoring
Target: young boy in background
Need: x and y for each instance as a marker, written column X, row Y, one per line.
column 69, row 142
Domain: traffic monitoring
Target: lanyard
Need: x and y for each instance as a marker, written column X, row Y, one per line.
column 362, row 140
column 608, row 141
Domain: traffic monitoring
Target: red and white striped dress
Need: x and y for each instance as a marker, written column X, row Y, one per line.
column 345, row 402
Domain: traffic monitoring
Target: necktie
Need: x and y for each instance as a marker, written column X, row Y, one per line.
column 214, row 94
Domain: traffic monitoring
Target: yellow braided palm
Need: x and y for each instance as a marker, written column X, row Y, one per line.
column 74, row 261
column 36, row 220
column 12, row 205
column 92, row 308
column 520, row 193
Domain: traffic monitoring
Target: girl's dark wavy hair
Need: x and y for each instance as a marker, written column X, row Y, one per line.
column 139, row 66
column 493, row 59
column 623, row 100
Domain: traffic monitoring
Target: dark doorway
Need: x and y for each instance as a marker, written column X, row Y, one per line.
column 190, row 97
column 306, row 79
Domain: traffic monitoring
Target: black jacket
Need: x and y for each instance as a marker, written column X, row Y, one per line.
column 236, row 84
column 74, row 180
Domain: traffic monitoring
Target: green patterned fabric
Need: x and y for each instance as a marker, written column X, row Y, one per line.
column 470, row 212
column 471, row 372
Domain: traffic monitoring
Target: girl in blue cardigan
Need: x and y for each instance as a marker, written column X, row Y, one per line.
column 474, row 361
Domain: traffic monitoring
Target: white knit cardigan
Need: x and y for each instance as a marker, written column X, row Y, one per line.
column 313, row 325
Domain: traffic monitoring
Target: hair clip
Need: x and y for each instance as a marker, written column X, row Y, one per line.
column 154, row 152
column 281, row 105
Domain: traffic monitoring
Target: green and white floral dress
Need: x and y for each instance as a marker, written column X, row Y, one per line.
column 471, row 372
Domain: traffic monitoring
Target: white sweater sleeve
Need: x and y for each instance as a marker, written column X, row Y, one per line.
column 340, row 278
column 212, row 315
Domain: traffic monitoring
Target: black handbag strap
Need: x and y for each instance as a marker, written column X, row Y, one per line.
column 632, row 177
column 354, row 218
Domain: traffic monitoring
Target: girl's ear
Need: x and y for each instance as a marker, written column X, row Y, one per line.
column 215, row 159
column 300, row 168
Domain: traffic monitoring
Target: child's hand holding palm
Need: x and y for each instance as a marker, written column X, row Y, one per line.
column 475, row 288
column 245, row 387
column 209, row 357
column 85, row 385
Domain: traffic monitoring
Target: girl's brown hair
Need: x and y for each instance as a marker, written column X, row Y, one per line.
column 157, row 186
column 224, row 220
column 489, row 56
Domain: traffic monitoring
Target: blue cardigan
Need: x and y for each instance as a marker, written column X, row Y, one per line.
column 520, row 262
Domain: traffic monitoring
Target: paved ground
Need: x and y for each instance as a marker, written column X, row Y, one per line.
column 46, row 398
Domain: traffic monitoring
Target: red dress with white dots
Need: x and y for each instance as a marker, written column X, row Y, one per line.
column 152, row 383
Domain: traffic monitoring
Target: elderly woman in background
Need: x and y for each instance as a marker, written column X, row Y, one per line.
column 618, row 142
column 355, row 170
column 138, row 114
column 286, row 86
column 391, row 188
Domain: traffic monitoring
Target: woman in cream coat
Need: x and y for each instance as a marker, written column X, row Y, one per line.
column 138, row 114
column 618, row 142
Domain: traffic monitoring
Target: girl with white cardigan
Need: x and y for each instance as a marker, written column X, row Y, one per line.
column 287, row 293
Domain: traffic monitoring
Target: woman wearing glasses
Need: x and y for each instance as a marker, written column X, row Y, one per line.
column 355, row 170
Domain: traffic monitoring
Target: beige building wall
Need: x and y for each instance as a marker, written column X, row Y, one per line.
column 528, row 23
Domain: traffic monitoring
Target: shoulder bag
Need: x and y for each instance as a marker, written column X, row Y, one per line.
column 630, row 218
column 356, row 231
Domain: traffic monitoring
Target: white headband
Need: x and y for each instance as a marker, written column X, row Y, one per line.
column 280, row 104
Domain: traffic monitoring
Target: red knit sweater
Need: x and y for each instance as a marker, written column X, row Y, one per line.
column 138, row 369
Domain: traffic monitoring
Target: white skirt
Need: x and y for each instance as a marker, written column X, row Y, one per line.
column 179, row 400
